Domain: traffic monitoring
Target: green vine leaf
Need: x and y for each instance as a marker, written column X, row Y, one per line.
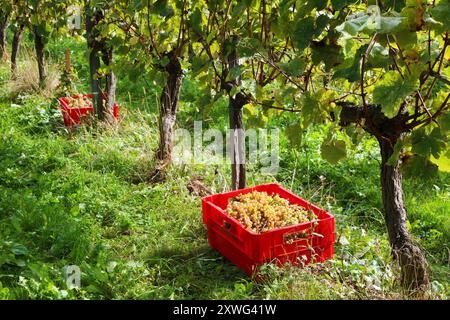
column 419, row 166
column 333, row 150
column 392, row 90
column 441, row 13
column 294, row 68
column 428, row 144
column 294, row 134
column 351, row 68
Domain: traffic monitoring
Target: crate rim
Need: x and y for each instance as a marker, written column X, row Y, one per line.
column 64, row 105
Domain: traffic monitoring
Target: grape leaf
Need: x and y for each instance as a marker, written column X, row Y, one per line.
column 254, row 118
column 354, row 25
column 293, row 68
column 199, row 64
column 443, row 162
column 444, row 122
column 235, row 72
column 428, row 144
column 406, row 39
column 397, row 5
column 330, row 54
column 294, row 134
column 163, row 8
column 388, row 24
column 419, row 166
column 339, row 4
column 441, row 13
column 392, row 90
column 370, row 24
column 351, row 68
column 333, row 150
column 303, row 33
column 310, row 109
column 308, row 6
column 195, row 20
column 378, row 57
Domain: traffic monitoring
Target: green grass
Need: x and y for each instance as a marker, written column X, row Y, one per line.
column 81, row 198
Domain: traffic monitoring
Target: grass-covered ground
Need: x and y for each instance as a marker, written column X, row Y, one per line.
column 82, row 198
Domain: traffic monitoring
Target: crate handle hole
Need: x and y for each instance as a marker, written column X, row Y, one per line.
column 227, row 225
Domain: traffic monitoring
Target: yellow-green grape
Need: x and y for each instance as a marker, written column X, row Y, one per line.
column 79, row 102
column 260, row 212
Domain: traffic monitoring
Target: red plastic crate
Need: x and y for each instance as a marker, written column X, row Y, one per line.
column 73, row 116
column 297, row 244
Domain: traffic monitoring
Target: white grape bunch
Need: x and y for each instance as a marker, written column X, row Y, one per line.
column 261, row 212
column 80, row 102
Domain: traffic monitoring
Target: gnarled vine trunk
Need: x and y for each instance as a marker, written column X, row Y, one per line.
column 96, row 86
column 110, row 87
column 103, row 105
column 39, row 46
column 3, row 27
column 237, row 141
column 111, row 82
column 15, row 47
column 414, row 267
column 92, row 19
column 168, row 111
column 237, row 134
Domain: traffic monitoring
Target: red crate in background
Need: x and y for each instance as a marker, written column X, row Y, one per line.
column 73, row 116
column 297, row 244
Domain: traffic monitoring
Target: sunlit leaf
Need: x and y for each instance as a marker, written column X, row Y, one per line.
column 339, row 4
column 441, row 13
column 304, row 33
column 392, row 90
column 370, row 24
column 419, row 166
column 428, row 144
column 294, row 134
column 195, row 20
column 351, row 68
column 329, row 54
column 444, row 122
column 333, row 150
column 443, row 162
column 294, row 68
